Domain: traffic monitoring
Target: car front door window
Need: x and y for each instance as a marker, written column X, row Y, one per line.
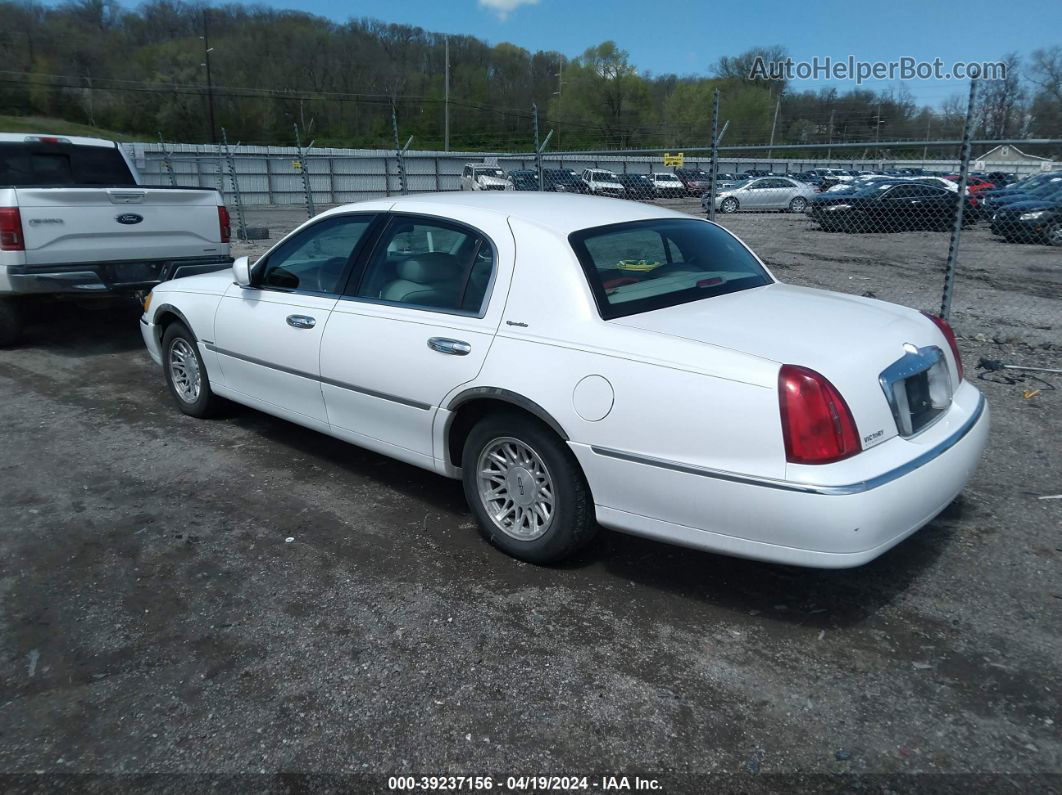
column 316, row 259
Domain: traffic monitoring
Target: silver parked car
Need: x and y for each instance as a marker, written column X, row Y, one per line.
column 764, row 193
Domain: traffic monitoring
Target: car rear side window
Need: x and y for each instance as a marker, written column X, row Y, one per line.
column 34, row 164
column 430, row 264
column 646, row 265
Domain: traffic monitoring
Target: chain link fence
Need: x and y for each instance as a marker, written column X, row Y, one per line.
column 963, row 227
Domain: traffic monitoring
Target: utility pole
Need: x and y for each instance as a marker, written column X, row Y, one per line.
column 774, row 125
column 446, row 100
column 207, row 49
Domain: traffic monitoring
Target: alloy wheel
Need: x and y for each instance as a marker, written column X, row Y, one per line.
column 516, row 488
column 184, row 371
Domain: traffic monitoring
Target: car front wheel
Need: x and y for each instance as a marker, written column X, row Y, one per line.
column 185, row 373
column 729, row 206
column 1053, row 234
column 798, row 204
column 526, row 489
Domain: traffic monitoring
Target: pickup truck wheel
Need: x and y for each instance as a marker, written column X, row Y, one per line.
column 10, row 322
column 185, row 373
column 526, row 489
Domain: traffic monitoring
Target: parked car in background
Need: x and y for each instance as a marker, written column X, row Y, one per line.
column 1030, row 221
column 562, row 180
column 974, row 185
column 637, row 186
column 477, row 176
column 696, row 181
column 601, row 182
column 990, row 201
column 886, row 207
column 75, row 221
column 769, row 193
column 667, row 184
column 691, row 397
column 523, row 179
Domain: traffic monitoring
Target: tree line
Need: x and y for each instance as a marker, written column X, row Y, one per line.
column 144, row 72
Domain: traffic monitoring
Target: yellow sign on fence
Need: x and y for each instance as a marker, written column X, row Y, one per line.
column 677, row 160
column 297, row 165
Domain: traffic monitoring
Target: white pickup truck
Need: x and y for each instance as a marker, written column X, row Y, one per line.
column 75, row 220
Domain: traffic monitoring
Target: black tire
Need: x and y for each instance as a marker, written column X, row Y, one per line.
column 10, row 321
column 798, row 204
column 572, row 525
column 1053, row 234
column 729, row 205
column 206, row 403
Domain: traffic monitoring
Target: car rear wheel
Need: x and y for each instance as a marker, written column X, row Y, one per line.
column 185, row 373
column 1053, row 234
column 526, row 489
column 729, row 206
column 798, row 204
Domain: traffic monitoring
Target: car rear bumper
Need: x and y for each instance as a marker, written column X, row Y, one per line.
column 103, row 277
column 832, row 526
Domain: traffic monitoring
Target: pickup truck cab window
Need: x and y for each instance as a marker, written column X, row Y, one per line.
column 316, row 259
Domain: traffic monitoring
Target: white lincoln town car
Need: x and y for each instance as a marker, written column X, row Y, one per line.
column 581, row 362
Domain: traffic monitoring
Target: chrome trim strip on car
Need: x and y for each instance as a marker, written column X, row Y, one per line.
column 806, row 488
column 330, row 381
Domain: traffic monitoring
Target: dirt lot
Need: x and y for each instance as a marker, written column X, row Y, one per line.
column 155, row 619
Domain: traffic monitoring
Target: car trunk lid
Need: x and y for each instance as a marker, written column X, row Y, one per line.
column 850, row 340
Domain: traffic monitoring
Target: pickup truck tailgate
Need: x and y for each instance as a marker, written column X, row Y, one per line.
column 69, row 224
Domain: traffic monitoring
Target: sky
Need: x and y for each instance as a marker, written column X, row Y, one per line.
column 688, row 36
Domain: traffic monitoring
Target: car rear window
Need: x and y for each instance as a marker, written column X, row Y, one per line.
column 38, row 165
column 646, row 265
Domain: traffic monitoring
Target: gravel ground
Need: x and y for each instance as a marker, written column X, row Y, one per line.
column 156, row 618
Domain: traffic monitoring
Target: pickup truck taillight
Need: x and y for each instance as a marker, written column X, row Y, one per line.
column 225, row 223
column 949, row 335
column 816, row 422
column 11, row 238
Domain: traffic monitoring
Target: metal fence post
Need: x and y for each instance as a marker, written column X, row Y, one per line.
column 399, row 154
column 167, row 162
column 960, row 204
column 241, row 230
column 311, row 211
column 538, row 153
column 715, row 156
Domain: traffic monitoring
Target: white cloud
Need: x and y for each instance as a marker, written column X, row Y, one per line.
column 505, row 7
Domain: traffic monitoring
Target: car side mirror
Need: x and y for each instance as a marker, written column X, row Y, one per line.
column 241, row 271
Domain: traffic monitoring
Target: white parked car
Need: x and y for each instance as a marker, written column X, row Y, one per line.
column 667, row 184
column 601, row 182
column 476, row 176
column 576, row 362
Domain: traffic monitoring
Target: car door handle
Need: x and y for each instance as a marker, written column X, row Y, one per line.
column 445, row 345
column 301, row 321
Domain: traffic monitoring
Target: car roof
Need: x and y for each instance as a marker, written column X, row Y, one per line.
column 563, row 213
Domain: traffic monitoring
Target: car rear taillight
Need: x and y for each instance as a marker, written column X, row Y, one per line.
column 225, row 223
column 949, row 335
column 816, row 422
column 11, row 238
